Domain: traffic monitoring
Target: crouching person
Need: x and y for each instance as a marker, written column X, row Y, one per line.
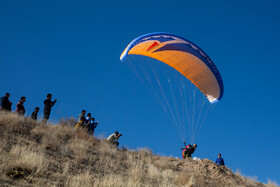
column 113, row 138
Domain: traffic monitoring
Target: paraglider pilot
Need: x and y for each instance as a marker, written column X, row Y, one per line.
column 188, row 151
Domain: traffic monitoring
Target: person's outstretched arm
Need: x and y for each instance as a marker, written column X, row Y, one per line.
column 53, row 102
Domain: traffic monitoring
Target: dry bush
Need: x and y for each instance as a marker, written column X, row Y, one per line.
column 184, row 178
column 145, row 151
column 23, row 156
column 68, row 122
column 16, row 124
column 84, row 179
column 164, row 163
column 271, row 183
column 79, row 147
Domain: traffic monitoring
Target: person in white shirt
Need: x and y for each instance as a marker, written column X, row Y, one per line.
column 113, row 138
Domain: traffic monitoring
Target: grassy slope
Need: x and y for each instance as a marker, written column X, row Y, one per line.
column 33, row 154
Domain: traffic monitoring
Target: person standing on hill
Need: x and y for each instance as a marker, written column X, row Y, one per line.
column 188, row 151
column 48, row 106
column 20, row 107
column 5, row 102
column 82, row 115
column 87, row 121
column 220, row 160
column 81, row 123
column 92, row 126
column 35, row 113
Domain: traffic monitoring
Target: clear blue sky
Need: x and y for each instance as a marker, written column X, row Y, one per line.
column 72, row 48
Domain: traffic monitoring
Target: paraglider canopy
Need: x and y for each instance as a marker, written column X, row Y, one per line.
column 182, row 55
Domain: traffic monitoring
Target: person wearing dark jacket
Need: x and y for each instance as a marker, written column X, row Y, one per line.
column 92, row 126
column 188, row 150
column 87, row 121
column 48, row 106
column 219, row 160
column 20, row 107
column 5, row 103
column 35, row 113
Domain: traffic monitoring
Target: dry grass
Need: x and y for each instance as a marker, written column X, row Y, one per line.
column 37, row 154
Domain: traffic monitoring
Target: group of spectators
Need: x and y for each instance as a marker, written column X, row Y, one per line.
column 87, row 122
column 5, row 104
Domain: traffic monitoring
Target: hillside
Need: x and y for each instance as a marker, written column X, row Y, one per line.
column 36, row 154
